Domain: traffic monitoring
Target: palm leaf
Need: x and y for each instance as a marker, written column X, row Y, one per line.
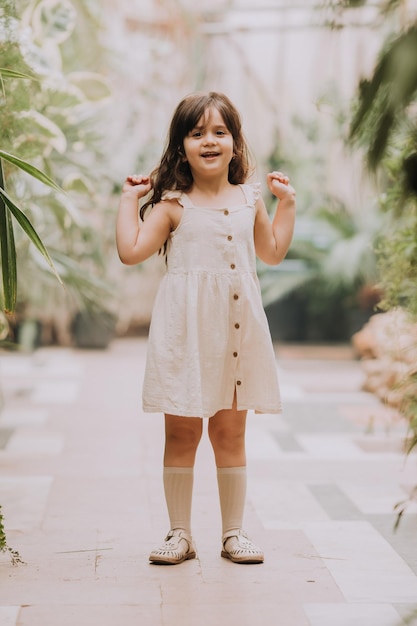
column 8, row 258
column 28, row 229
column 380, row 138
column 8, row 73
column 8, row 253
column 30, row 169
column 384, row 98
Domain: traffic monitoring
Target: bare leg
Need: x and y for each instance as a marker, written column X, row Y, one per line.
column 182, row 436
column 226, row 430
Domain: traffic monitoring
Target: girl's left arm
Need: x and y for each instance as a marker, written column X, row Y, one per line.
column 272, row 240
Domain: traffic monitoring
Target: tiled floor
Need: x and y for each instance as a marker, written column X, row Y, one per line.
column 81, row 489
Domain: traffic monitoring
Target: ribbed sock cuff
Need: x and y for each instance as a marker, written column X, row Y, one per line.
column 178, row 487
column 232, row 494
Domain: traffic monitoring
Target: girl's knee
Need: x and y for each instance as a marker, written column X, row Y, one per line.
column 180, row 435
column 226, row 438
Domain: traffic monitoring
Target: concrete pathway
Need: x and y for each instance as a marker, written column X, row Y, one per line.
column 81, row 489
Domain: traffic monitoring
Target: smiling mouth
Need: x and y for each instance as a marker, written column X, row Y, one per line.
column 210, row 155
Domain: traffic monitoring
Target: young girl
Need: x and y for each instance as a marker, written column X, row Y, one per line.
column 210, row 353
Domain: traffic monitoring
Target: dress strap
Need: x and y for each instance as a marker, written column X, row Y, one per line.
column 180, row 196
column 252, row 192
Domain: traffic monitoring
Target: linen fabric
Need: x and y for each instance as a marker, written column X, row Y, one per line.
column 209, row 334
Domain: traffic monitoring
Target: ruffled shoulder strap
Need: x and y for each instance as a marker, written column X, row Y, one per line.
column 252, row 192
column 176, row 194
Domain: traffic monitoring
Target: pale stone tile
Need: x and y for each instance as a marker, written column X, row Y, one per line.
column 30, row 442
column 291, row 392
column 260, row 444
column 9, row 615
column 56, row 392
column 233, row 614
column 24, row 500
column 84, row 615
column 283, row 504
column 23, row 417
column 329, row 446
column 80, row 569
column 84, row 591
column 359, row 397
column 376, row 498
column 352, row 615
column 44, row 363
column 58, row 362
column 363, row 564
column 15, row 365
column 292, row 573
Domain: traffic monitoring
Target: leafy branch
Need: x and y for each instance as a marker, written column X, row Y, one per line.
column 15, row 557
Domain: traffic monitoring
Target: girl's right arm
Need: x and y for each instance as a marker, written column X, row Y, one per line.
column 137, row 240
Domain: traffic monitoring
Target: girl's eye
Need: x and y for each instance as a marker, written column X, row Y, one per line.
column 197, row 133
column 220, row 132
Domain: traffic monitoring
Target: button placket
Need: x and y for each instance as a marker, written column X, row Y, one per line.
column 235, row 309
column 236, row 330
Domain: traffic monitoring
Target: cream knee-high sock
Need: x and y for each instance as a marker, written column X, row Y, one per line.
column 178, row 487
column 232, row 493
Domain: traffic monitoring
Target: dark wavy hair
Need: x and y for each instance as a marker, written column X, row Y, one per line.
column 173, row 172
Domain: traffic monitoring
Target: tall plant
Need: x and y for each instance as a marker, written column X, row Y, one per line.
column 44, row 118
column 385, row 123
column 50, row 124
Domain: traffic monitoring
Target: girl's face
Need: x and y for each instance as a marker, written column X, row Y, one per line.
column 209, row 146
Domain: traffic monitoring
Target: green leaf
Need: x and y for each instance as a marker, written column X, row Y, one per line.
column 30, row 169
column 6, row 72
column 8, row 258
column 8, row 253
column 28, row 229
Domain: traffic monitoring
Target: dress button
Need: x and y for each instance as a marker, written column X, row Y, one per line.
column 233, row 266
column 229, row 238
column 226, row 212
column 235, row 354
column 238, row 382
column 236, row 297
column 237, row 325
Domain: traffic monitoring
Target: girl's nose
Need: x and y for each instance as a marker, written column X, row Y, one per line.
column 210, row 139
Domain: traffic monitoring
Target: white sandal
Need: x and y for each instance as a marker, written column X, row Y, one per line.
column 239, row 548
column 178, row 547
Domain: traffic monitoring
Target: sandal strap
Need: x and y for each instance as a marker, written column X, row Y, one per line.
column 180, row 534
column 240, row 535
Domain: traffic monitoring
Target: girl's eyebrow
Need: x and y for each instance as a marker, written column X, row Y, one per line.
column 203, row 126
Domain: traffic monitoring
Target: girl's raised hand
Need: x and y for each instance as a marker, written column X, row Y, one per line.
column 279, row 185
column 138, row 185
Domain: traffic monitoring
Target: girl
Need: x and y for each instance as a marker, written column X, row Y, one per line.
column 210, row 353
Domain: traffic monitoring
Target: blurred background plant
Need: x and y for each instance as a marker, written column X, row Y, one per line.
column 325, row 289
column 385, row 126
column 52, row 123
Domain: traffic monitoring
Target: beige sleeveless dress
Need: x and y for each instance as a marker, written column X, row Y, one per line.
column 209, row 335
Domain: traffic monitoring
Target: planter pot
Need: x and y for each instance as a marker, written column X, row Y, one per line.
column 29, row 333
column 357, row 319
column 93, row 330
column 287, row 319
